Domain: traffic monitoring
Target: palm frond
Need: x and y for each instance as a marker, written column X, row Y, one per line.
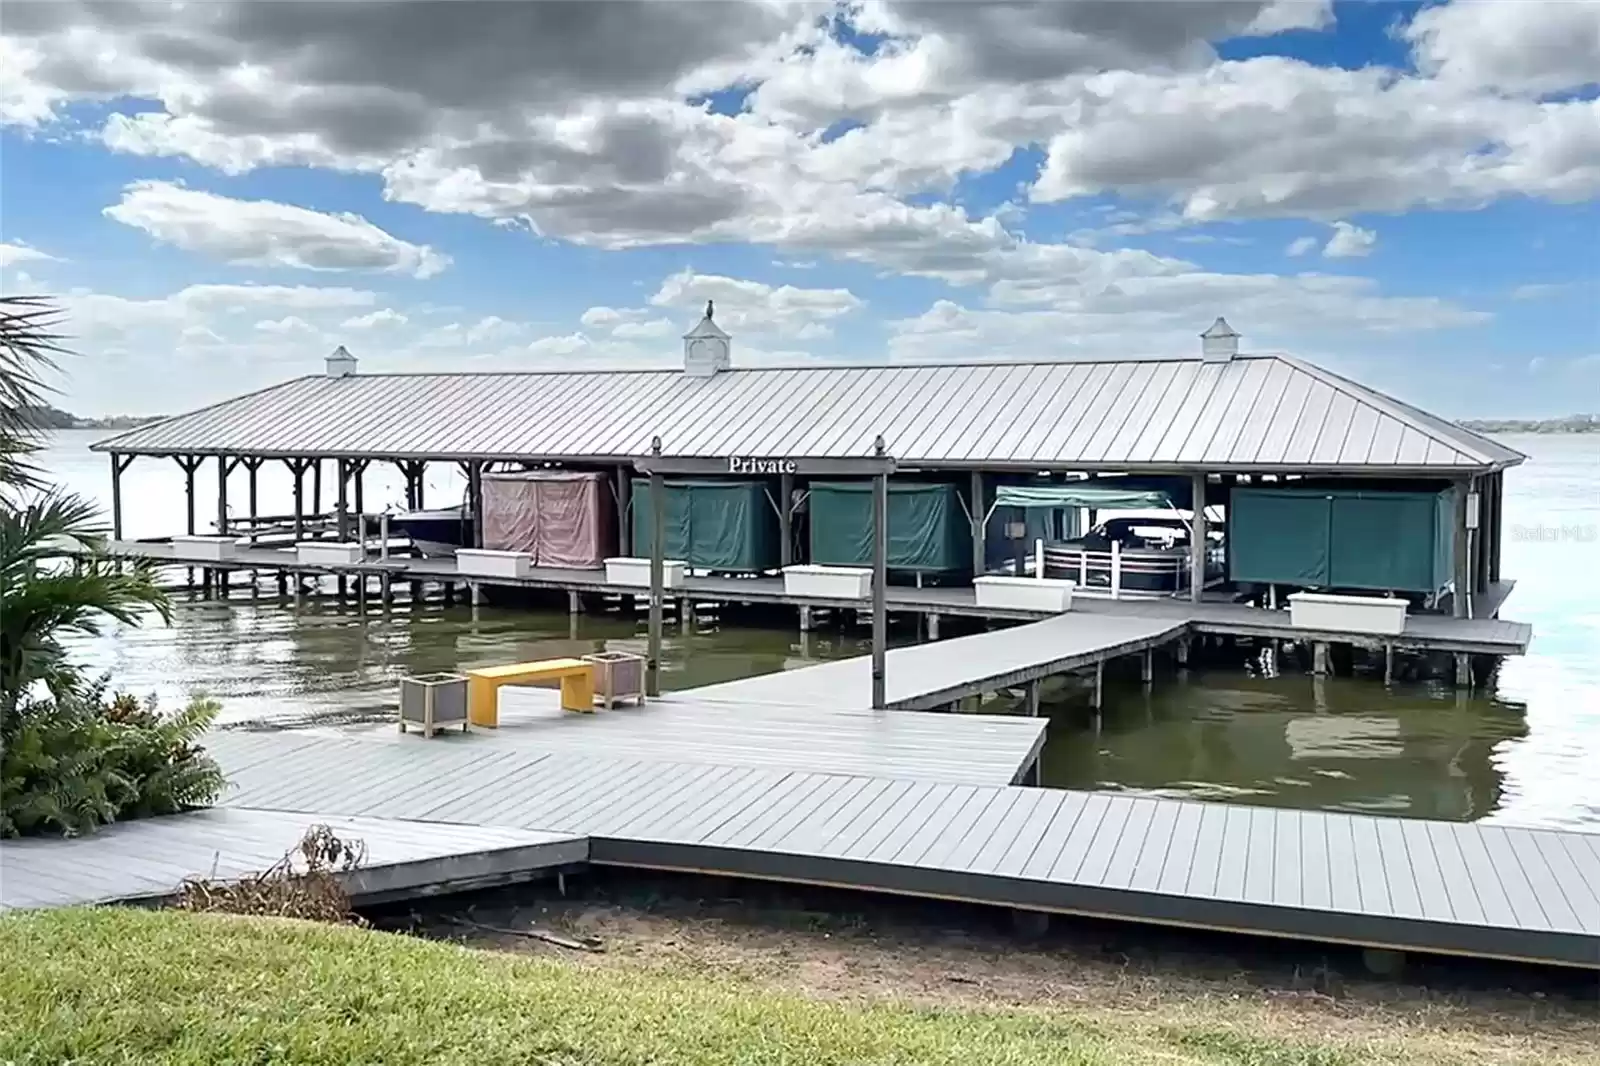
column 29, row 345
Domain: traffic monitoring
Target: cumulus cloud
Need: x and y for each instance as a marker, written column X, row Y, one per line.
column 268, row 234
column 17, row 252
column 1349, row 242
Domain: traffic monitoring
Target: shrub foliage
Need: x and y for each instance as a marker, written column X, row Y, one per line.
column 69, row 759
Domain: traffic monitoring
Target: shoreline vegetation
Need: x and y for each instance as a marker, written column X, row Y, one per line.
column 50, row 419
column 1565, row 424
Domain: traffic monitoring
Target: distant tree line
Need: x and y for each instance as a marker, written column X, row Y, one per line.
column 45, row 417
column 1567, row 424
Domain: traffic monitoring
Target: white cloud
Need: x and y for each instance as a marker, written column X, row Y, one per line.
column 1300, row 246
column 755, row 307
column 1509, row 44
column 1349, row 242
column 12, row 254
column 264, row 233
column 381, row 318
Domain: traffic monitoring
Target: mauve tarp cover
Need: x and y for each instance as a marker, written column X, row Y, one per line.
column 562, row 519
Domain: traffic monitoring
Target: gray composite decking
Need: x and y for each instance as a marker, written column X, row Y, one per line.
column 1477, row 635
column 836, row 734
column 1391, row 882
column 925, row 676
column 150, row 858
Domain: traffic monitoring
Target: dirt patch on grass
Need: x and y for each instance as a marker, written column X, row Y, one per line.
column 855, row 947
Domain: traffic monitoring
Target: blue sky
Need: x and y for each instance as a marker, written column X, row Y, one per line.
column 1402, row 192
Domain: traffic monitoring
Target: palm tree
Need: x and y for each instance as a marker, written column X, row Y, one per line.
column 56, row 578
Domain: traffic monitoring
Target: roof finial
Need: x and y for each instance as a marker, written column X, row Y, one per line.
column 709, row 308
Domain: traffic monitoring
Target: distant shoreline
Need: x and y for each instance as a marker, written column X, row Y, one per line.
column 54, row 419
column 1569, row 424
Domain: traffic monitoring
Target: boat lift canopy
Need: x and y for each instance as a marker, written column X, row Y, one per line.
column 1099, row 497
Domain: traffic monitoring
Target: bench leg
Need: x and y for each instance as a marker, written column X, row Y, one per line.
column 577, row 692
column 482, row 703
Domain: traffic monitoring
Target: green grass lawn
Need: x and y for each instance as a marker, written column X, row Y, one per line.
column 132, row 986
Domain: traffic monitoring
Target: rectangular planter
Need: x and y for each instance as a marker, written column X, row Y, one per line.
column 329, row 553
column 618, row 675
column 433, row 701
column 479, row 562
column 205, row 549
column 1023, row 593
column 828, row 582
column 626, row 570
column 1347, row 614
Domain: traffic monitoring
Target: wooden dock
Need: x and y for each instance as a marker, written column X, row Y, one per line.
column 149, row 859
column 1482, row 634
column 1488, row 891
column 836, row 734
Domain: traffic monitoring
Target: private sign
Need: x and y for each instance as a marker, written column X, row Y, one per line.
column 747, row 464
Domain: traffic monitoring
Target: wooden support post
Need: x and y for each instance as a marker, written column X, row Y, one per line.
column 1496, row 518
column 975, row 494
column 624, row 493
column 933, row 626
column 807, row 620
column 251, row 465
column 297, row 469
column 475, row 502
column 316, row 487
column 1099, row 684
column 1183, row 651
column 1462, row 563
column 1388, row 664
column 786, row 519
column 880, row 582
column 119, row 463
column 1147, row 666
column 574, row 603
column 1319, row 658
column 341, row 507
column 421, row 477
column 189, row 464
column 1197, row 539
column 225, row 467
column 358, row 474
column 1033, row 698
column 1463, row 670
column 658, row 567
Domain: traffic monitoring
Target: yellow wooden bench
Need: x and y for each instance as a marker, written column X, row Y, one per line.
column 483, row 686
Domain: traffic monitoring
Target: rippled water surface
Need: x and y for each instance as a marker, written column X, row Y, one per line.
column 1525, row 751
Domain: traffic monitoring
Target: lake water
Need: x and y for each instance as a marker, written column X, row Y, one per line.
column 1526, row 750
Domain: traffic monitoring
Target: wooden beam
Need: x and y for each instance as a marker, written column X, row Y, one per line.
column 976, row 518
column 1461, row 562
column 786, row 519
column 119, row 463
column 1197, row 539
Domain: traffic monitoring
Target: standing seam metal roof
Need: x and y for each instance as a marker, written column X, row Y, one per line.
column 1254, row 412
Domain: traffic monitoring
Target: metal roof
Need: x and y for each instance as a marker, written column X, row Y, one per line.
column 1266, row 412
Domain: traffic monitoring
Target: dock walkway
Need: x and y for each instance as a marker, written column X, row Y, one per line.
column 927, row 676
column 149, row 859
column 837, row 734
column 1479, row 635
column 1395, row 883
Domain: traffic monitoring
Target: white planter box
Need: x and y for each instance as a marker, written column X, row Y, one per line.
column 329, row 553
column 1023, row 593
column 625, row 570
column 480, row 562
column 205, row 549
column 828, row 582
column 1347, row 614
column 433, row 701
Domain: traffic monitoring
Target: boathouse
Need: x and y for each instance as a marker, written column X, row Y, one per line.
column 1319, row 482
